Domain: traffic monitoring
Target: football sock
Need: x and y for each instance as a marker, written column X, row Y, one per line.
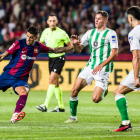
column 73, row 106
column 50, row 93
column 20, row 103
column 58, row 94
column 122, row 106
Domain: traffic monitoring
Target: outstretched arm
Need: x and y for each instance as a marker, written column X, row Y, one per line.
column 2, row 56
column 61, row 49
column 113, row 55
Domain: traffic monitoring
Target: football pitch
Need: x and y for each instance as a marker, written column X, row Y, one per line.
column 95, row 121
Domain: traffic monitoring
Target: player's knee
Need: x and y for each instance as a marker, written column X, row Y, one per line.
column 96, row 99
column 52, row 81
column 116, row 92
column 23, row 92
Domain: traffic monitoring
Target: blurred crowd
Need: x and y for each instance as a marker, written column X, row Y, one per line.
column 74, row 16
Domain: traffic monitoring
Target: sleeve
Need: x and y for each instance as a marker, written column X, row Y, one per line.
column 43, row 48
column 113, row 40
column 134, row 42
column 85, row 39
column 42, row 38
column 66, row 38
column 14, row 47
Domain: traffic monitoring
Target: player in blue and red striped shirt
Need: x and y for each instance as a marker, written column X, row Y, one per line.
column 24, row 52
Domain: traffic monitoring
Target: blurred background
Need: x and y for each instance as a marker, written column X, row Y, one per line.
column 75, row 17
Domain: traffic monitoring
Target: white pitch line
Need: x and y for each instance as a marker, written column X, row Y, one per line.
column 52, row 127
column 80, row 137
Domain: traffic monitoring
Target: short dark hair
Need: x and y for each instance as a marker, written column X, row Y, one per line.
column 52, row 14
column 103, row 13
column 134, row 11
column 33, row 30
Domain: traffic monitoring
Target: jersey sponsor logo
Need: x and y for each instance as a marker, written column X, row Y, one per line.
column 46, row 40
column 12, row 46
column 95, row 43
column 24, row 57
column 36, row 50
column 114, row 39
column 130, row 39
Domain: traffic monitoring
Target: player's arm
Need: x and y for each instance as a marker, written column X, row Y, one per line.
column 135, row 62
column 61, row 49
column 2, row 56
column 78, row 47
column 113, row 55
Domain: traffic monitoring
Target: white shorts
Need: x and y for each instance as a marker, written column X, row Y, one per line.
column 129, row 81
column 101, row 79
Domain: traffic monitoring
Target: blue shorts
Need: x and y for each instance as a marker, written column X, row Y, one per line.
column 7, row 81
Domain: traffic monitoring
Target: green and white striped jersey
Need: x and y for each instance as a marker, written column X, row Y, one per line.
column 100, row 44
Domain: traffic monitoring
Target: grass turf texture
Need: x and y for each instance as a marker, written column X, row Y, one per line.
column 96, row 121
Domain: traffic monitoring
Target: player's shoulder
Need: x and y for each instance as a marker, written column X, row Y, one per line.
column 60, row 30
column 46, row 30
column 111, row 31
column 134, row 31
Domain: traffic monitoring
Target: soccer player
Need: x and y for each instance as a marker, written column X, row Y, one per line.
column 131, row 81
column 16, row 73
column 103, row 45
column 54, row 37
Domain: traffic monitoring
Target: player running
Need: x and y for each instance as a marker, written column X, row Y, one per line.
column 103, row 45
column 131, row 81
column 24, row 52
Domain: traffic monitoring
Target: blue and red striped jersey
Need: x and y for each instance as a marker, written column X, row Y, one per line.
column 23, row 57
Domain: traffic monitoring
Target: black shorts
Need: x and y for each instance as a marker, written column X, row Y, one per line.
column 56, row 64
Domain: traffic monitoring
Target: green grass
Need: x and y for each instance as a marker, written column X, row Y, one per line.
column 95, row 121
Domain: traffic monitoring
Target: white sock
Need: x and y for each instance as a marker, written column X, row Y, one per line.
column 126, row 122
column 74, row 117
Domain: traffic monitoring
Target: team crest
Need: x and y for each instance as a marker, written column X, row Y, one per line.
column 130, row 39
column 36, row 50
column 103, row 37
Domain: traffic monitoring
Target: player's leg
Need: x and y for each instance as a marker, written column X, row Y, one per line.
column 97, row 95
column 57, row 69
column 80, row 83
column 121, row 103
column 50, row 91
column 22, row 91
column 127, row 85
column 101, row 86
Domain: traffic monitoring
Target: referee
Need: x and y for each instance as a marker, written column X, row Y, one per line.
column 54, row 37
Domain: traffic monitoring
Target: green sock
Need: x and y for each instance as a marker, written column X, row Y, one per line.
column 50, row 93
column 73, row 106
column 122, row 106
column 58, row 94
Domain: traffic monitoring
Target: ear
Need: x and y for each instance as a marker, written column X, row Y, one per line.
column 56, row 21
column 47, row 22
column 36, row 37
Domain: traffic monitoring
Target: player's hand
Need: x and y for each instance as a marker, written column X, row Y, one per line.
column 74, row 39
column 137, row 82
column 1, row 57
column 97, row 69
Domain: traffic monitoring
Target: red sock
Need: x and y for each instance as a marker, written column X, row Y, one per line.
column 20, row 103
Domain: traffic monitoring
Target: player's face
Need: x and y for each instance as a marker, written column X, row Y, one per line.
column 100, row 21
column 30, row 39
column 52, row 21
